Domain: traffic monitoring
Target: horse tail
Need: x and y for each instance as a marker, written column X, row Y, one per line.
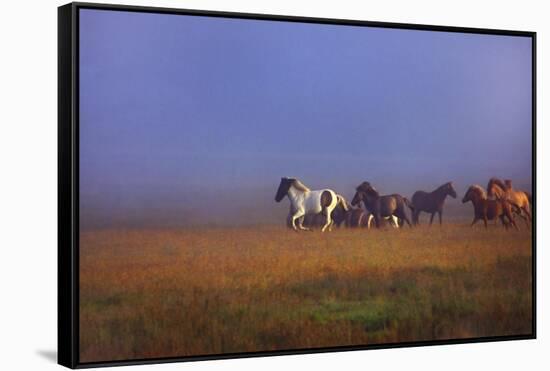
column 342, row 201
column 408, row 203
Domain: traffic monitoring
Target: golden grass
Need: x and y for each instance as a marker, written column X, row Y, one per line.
column 162, row 293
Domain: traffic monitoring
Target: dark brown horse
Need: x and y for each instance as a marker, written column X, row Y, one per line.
column 485, row 209
column 381, row 206
column 431, row 202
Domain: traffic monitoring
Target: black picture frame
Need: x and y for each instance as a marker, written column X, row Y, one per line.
column 68, row 179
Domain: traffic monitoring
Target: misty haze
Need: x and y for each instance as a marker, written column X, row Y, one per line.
column 189, row 121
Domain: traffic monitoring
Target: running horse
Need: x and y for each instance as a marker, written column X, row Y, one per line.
column 381, row 206
column 431, row 202
column 356, row 217
column 518, row 199
column 486, row 209
column 339, row 216
column 304, row 201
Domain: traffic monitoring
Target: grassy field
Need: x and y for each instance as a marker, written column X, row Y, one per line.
column 161, row 293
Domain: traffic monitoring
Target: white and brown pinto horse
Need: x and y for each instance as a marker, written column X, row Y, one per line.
column 304, row 201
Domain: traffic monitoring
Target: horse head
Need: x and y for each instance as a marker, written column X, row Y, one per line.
column 496, row 188
column 368, row 189
column 508, row 184
column 357, row 198
column 450, row 190
column 365, row 186
column 284, row 186
column 364, row 192
column 474, row 194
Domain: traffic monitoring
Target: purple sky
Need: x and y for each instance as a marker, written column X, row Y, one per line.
column 182, row 113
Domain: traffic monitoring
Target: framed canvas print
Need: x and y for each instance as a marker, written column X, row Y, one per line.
column 236, row 185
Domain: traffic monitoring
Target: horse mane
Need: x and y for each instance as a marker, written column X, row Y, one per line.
column 443, row 186
column 372, row 191
column 299, row 185
column 363, row 186
column 440, row 188
column 508, row 184
column 479, row 190
column 367, row 188
column 498, row 182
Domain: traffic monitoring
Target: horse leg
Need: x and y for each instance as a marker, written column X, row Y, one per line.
column 394, row 220
column 369, row 221
column 360, row 221
column 527, row 212
column 475, row 221
column 406, row 219
column 520, row 213
column 527, row 222
column 510, row 217
column 350, row 222
column 485, row 221
column 328, row 221
column 432, row 218
column 503, row 220
column 298, row 214
column 513, row 222
column 289, row 220
column 331, row 224
column 377, row 219
column 402, row 215
column 440, row 217
column 301, row 224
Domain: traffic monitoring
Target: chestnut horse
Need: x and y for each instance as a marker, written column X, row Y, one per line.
column 520, row 200
column 485, row 209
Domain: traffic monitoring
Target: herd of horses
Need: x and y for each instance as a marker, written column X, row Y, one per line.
column 325, row 208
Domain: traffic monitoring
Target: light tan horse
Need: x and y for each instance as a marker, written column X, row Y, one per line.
column 485, row 209
column 518, row 199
